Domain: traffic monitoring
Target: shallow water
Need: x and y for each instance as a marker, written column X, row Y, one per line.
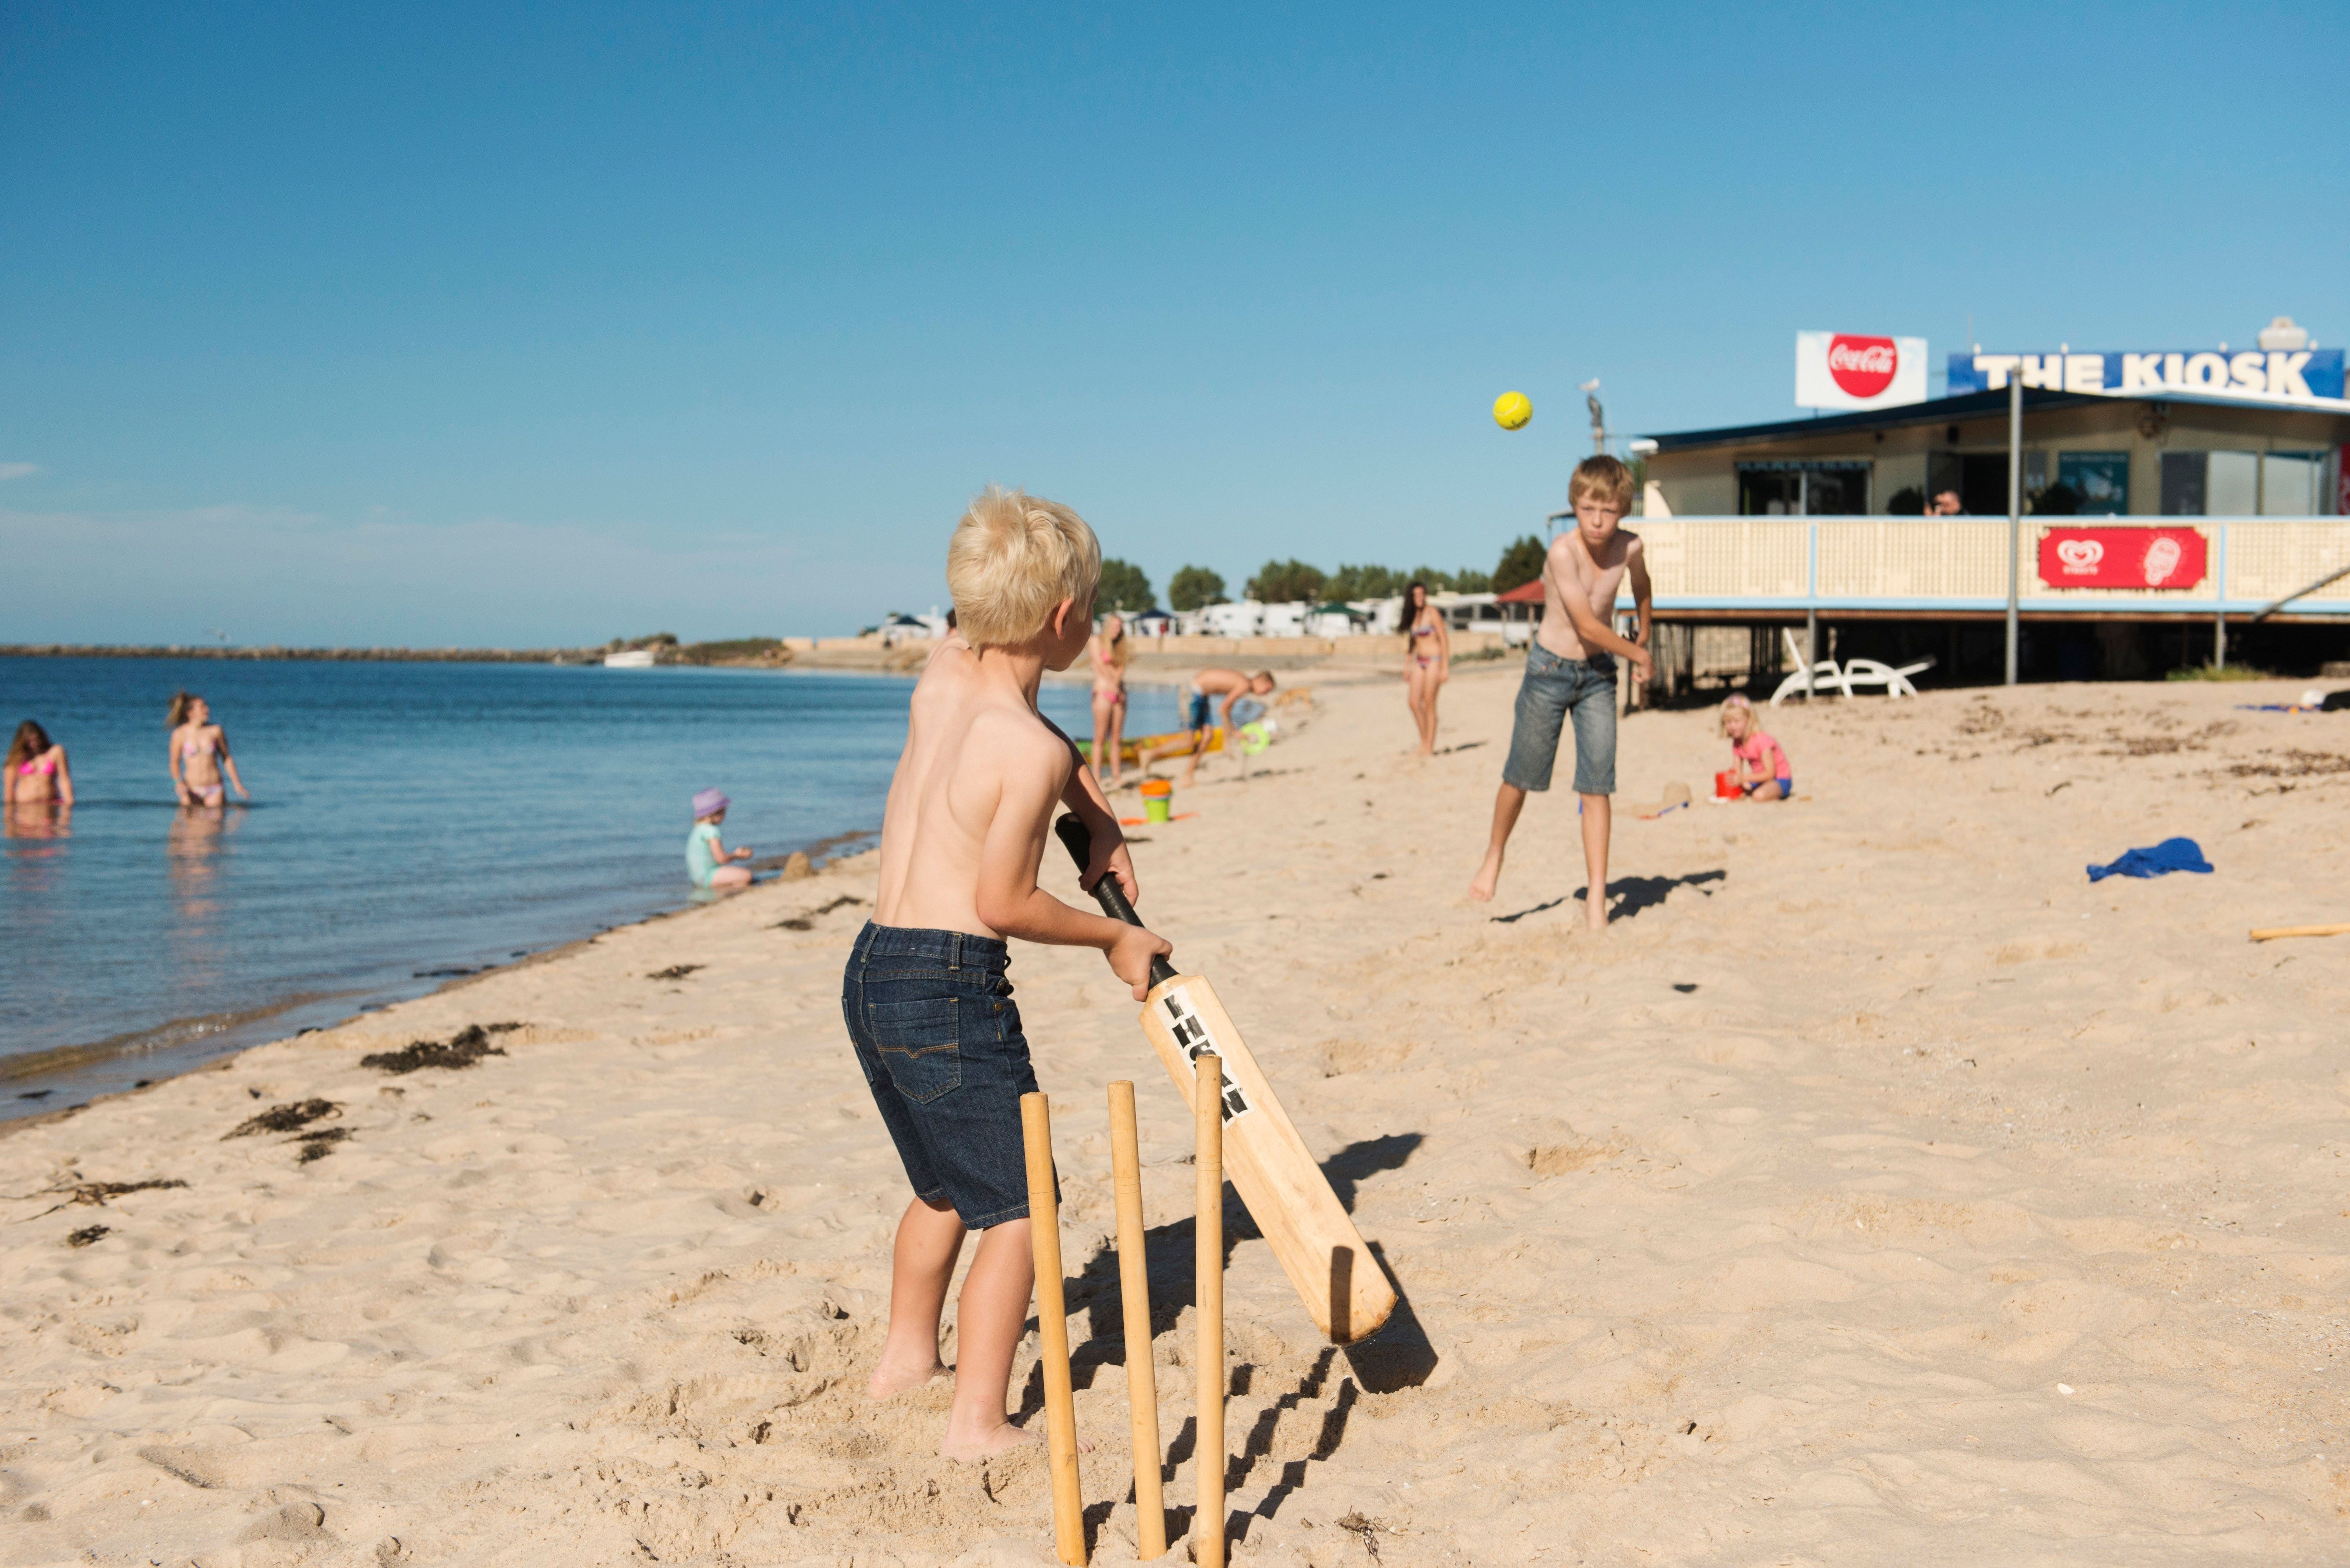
column 410, row 823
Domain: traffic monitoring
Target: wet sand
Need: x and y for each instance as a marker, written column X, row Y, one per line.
column 1877, row 1188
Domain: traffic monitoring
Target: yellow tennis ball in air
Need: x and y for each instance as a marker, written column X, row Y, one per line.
column 1513, row 409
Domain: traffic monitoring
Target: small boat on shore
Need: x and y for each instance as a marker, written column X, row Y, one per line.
column 630, row 658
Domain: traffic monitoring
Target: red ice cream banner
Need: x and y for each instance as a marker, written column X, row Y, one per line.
column 2172, row 558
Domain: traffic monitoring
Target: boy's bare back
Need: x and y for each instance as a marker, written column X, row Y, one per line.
column 979, row 765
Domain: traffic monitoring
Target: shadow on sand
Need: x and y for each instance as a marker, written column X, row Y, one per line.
column 1399, row 1355
column 1628, row 896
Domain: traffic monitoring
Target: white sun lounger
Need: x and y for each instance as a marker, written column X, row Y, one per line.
column 1869, row 672
column 1807, row 679
column 1810, row 678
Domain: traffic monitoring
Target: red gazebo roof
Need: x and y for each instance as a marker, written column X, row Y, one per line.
column 1524, row 594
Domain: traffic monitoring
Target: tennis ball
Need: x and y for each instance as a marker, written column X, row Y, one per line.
column 1513, row 409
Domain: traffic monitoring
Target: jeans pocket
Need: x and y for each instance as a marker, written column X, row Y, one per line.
column 917, row 1045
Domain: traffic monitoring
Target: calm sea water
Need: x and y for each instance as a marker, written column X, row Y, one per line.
column 409, row 821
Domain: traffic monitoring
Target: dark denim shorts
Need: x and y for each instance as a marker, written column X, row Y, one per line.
column 932, row 1017
column 1553, row 688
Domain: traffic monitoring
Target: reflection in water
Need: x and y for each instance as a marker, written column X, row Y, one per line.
column 35, row 867
column 192, row 850
column 38, row 819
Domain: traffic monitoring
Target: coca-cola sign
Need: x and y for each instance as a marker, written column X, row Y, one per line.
column 2175, row 559
column 1863, row 367
column 1859, row 370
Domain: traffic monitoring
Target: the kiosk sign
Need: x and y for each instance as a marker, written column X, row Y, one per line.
column 2171, row 558
column 2299, row 375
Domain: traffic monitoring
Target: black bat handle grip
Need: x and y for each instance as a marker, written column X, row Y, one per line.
column 1106, row 892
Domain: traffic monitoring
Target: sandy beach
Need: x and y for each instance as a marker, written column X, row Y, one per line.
column 1876, row 1190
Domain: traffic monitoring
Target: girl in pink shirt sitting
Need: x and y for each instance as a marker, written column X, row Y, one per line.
column 1763, row 773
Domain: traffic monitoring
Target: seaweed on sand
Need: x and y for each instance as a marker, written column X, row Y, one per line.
column 284, row 1118
column 808, row 922
column 463, row 1049
column 320, row 1144
column 95, row 1192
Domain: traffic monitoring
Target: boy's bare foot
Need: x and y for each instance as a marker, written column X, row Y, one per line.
column 1489, row 876
column 888, row 1380
column 1002, row 1439
column 1595, row 914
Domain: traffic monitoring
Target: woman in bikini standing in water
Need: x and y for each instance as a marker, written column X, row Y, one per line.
column 200, row 754
column 1109, row 652
column 35, row 774
column 1427, row 662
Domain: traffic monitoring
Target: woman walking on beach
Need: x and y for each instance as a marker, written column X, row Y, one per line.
column 200, row 754
column 1110, row 652
column 1427, row 662
column 36, row 774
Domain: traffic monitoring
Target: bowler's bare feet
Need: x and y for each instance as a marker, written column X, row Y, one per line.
column 889, row 1380
column 1489, row 876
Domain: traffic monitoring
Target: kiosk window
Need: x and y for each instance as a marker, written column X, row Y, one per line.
column 2231, row 486
column 2100, row 479
column 2183, row 475
column 1802, row 489
column 2293, row 484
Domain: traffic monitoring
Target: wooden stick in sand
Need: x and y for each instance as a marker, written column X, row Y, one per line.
column 1053, row 1324
column 1208, row 1106
column 1134, row 1288
column 2270, row 934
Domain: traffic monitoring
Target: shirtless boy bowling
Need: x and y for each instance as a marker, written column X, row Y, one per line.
column 1571, row 673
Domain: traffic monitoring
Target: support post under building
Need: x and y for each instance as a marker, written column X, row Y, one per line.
column 2014, row 511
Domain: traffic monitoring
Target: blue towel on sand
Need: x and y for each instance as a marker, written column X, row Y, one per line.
column 2170, row 855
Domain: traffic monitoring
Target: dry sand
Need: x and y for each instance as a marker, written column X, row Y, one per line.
column 1877, row 1189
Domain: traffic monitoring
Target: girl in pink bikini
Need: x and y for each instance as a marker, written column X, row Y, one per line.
column 35, row 771
column 1109, row 652
column 1763, row 770
column 1427, row 662
column 200, row 754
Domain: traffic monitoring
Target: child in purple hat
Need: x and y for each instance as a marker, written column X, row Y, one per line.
column 705, row 857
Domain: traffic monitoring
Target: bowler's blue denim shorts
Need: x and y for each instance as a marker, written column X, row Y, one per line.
column 931, row 1016
column 1553, row 688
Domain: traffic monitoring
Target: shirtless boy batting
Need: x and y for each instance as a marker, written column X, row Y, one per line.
column 925, row 996
column 1571, row 671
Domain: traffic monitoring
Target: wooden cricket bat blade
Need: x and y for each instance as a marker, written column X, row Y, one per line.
column 1309, row 1230
column 1286, row 1193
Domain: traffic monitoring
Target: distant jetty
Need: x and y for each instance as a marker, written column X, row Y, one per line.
column 355, row 655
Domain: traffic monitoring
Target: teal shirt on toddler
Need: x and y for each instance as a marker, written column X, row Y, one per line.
column 701, row 859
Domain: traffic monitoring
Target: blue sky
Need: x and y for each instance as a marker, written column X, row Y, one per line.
column 500, row 325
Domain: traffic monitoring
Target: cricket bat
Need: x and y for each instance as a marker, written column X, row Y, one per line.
column 1286, row 1193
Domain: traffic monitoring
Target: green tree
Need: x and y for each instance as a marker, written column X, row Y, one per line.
column 1520, row 563
column 1365, row 582
column 1124, row 587
column 1282, row 581
column 1194, row 587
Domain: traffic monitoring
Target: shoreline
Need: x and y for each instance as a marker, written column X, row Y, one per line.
column 177, row 1044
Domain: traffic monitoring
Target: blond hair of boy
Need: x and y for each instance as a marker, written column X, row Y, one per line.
column 925, row 993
